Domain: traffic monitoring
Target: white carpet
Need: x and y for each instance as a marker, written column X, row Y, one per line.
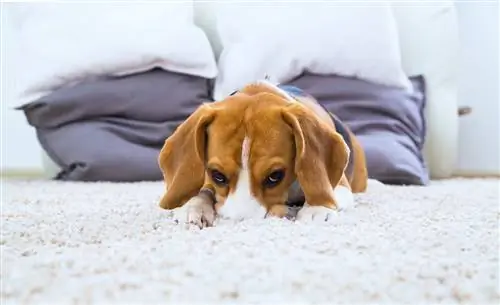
column 108, row 243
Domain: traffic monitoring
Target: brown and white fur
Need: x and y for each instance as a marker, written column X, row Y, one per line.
column 248, row 149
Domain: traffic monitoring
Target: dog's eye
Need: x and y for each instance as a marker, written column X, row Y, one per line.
column 219, row 178
column 274, row 178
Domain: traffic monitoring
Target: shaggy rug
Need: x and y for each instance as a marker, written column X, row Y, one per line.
column 106, row 243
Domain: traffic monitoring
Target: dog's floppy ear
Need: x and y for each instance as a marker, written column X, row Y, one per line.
column 321, row 155
column 181, row 159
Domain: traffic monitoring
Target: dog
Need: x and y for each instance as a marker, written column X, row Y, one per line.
column 258, row 153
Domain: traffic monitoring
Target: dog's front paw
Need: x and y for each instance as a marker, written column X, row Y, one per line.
column 198, row 211
column 310, row 213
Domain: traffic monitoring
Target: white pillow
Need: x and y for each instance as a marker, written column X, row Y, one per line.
column 284, row 40
column 60, row 44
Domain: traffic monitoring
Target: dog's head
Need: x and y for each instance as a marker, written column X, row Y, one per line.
column 249, row 148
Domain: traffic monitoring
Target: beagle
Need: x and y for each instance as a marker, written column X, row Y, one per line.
column 258, row 153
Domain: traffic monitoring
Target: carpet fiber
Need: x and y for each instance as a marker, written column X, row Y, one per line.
column 104, row 243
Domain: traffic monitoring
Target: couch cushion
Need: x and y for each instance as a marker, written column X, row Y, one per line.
column 113, row 128
column 389, row 123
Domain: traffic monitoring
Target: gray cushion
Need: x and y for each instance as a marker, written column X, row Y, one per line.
column 112, row 129
column 389, row 123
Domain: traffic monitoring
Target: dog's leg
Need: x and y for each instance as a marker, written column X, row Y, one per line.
column 198, row 211
column 344, row 199
column 278, row 211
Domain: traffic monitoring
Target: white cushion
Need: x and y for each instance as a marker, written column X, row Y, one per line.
column 285, row 40
column 59, row 44
column 429, row 43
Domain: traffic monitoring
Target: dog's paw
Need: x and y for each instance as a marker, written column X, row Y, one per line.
column 277, row 211
column 310, row 213
column 198, row 211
